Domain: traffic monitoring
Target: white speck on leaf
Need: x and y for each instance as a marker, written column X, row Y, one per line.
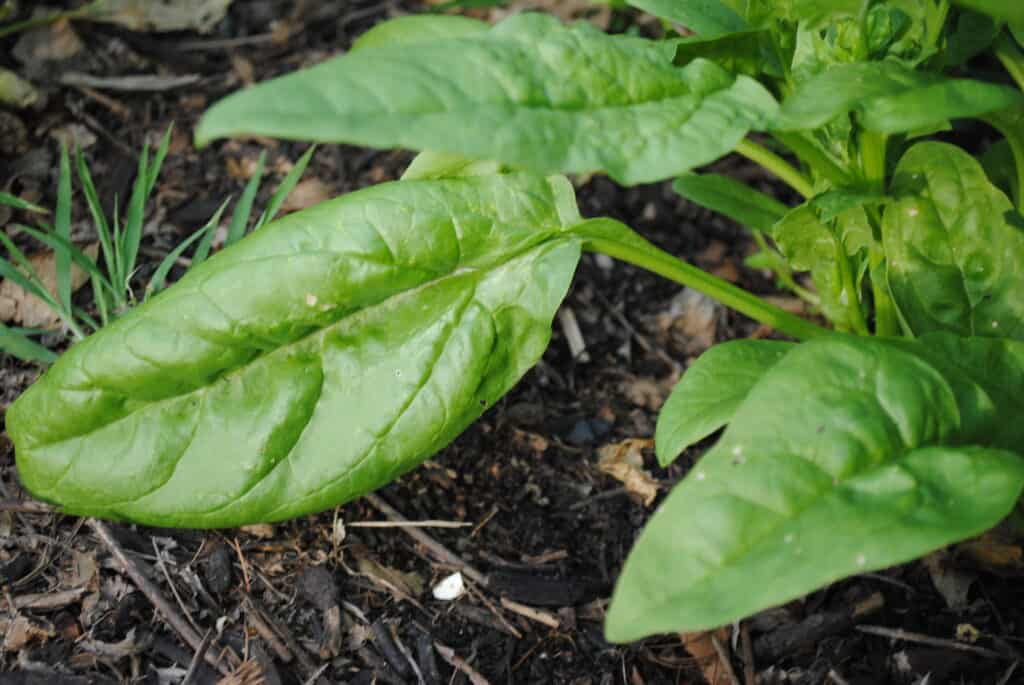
column 311, row 299
column 700, row 475
column 862, row 560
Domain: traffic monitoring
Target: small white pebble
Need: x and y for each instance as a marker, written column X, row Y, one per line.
column 450, row 588
column 311, row 299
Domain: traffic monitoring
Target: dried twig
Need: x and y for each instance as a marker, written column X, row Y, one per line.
column 306, row 664
column 145, row 82
column 723, row 657
column 134, row 570
column 441, row 552
column 834, row 676
column 459, row 664
column 46, row 601
column 193, row 668
column 532, row 613
column 749, row 671
column 19, row 506
column 430, row 523
column 920, row 638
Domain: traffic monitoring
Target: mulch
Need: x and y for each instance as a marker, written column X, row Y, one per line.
column 518, row 506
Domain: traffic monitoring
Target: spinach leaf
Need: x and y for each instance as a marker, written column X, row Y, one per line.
column 840, row 460
column 529, row 92
column 1005, row 10
column 738, row 201
column 704, row 17
column 710, row 392
column 311, row 362
column 954, row 245
column 744, row 52
column 417, row 28
column 890, row 98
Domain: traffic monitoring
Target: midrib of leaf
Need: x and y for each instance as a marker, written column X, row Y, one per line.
column 810, row 503
column 346, row 317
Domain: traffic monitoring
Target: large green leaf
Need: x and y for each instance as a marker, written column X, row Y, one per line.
column 890, row 98
column 954, row 245
column 839, row 461
column 529, row 92
column 313, row 361
column 710, row 391
column 705, row 17
column 986, row 374
column 1006, row 10
column 417, row 28
column 736, row 200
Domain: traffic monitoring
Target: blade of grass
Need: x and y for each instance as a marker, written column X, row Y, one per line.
column 110, row 255
column 56, row 242
column 18, row 203
column 203, row 249
column 132, row 235
column 62, row 228
column 288, row 183
column 240, row 217
column 24, row 275
column 100, row 297
column 84, row 316
column 17, row 344
column 157, row 282
column 158, row 160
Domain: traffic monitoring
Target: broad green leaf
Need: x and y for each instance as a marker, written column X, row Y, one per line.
column 307, row 364
column 1006, row 10
column 954, row 245
column 889, row 98
column 836, row 201
column 736, row 200
column 529, row 92
column 417, row 28
column 986, row 375
column 839, row 461
column 704, row 17
column 810, row 245
column 710, row 391
column 434, row 165
column 973, row 34
column 999, row 166
column 745, row 52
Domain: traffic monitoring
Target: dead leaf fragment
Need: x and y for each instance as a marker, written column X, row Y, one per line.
column 404, row 585
column 15, row 91
column 305, row 194
column 690, row 323
column 702, row 649
column 952, row 583
column 20, row 307
column 180, row 15
column 50, row 43
column 644, row 392
column 24, row 630
column 624, row 461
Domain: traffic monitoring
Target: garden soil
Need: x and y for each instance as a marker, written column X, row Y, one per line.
column 535, row 506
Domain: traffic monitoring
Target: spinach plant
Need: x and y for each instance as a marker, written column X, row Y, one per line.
column 339, row 347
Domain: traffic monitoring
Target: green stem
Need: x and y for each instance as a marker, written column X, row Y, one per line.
column 1013, row 131
column 777, row 165
column 872, row 158
column 1007, row 52
column 849, row 289
column 813, row 156
column 887, row 322
column 662, row 263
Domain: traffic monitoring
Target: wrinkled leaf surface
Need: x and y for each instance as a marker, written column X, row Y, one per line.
column 311, row 362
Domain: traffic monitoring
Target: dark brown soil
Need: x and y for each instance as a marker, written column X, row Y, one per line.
column 323, row 599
